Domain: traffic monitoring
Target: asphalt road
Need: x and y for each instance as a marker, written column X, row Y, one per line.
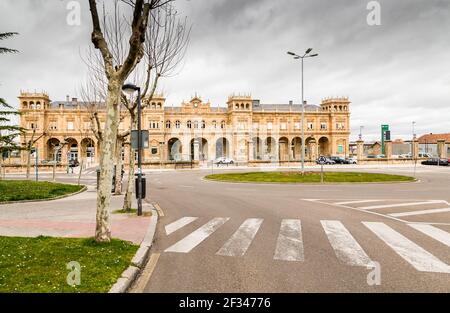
column 228, row 237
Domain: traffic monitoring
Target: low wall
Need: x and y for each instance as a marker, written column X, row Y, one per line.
column 9, row 169
column 385, row 161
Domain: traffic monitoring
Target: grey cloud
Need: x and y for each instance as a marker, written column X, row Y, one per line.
column 394, row 73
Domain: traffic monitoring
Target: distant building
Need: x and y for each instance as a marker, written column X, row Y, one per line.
column 428, row 143
column 245, row 130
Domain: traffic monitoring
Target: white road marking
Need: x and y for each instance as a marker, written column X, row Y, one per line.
column 347, row 249
column 238, row 244
column 415, row 255
column 434, row 232
column 356, row 201
column 400, row 205
column 173, row 227
column 290, row 242
column 421, row 212
column 192, row 240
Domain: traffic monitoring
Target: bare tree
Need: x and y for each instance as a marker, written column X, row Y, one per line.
column 116, row 71
column 165, row 47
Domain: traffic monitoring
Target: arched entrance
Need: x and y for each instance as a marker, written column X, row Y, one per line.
column 271, row 145
column 52, row 148
column 202, row 149
column 257, row 148
column 175, row 150
column 72, row 150
column 88, row 149
column 324, row 146
column 283, row 149
column 310, row 145
column 222, row 148
column 297, row 148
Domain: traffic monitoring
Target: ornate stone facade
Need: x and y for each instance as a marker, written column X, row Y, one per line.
column 245, row 130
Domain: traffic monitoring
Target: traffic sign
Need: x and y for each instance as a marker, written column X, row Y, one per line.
column 322, row 160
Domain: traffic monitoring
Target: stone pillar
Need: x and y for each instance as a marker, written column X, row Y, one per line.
column 360, row 150
column 313, row 150
column 196, row 150
column 441, row 149
column 251, row 148
column 64, row 152
column 388, row 149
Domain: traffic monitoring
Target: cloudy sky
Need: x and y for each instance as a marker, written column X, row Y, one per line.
column 394, row 73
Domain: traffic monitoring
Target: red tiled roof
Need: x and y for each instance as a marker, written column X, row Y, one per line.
column 433, row 138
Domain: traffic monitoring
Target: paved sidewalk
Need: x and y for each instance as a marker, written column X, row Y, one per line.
column 69, row 217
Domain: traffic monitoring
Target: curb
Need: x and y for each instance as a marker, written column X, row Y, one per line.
column 139, row 260
column 85, row 188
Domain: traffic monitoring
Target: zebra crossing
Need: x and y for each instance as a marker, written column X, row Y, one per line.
column 290, row 245
column 402, row 210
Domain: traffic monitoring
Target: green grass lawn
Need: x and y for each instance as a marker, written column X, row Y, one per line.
column 17, row 190
column 309, row 177
column 38, row 265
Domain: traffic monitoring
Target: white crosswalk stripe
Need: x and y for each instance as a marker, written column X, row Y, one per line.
column 290, row 241
column 345, row 246
column 421, row 212
column 415, row 255
column 355, row 202
column 238, row 244
column 434, row 232
column 374, row 207
column 194, row 239
column 173, row 227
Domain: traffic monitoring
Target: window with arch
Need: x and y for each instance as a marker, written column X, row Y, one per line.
column 242, row 106
column 38, row 105
column 177, row 124
column 189, row 124
column 168, row 124
column 214, row 124
column 32, row 105
column 237, row 106
column 222, row 124
column 153, row 106
column 203, row 124
column 247, row 106
column 159, row 105
column 196, row 124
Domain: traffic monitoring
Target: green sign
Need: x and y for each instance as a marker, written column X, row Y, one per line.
column 384, row 130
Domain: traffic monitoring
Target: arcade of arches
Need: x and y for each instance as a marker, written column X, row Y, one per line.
column 245, row 130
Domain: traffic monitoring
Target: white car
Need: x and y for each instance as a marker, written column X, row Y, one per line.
column 352, row 160
column 224, row 160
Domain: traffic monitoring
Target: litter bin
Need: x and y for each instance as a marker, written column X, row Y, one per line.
column 144, row 186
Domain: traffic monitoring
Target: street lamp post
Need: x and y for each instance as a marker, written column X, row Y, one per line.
column 360, row 132
column 298, row 57
column 130, row 89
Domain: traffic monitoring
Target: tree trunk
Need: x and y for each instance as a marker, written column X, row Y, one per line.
column 103, row 229
column 81, row 169
column 118, row 185
column 28, row 163
column 127, row 203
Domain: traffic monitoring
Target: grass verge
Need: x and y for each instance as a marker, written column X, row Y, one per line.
column 20, row 190
column 38, row 265
column 309, row 177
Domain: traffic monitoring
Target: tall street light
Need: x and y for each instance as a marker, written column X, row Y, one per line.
column 130, row 89
column 298, row 57
column 360, row 131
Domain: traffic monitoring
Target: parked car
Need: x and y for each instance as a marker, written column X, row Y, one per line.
column 74, row 163
column 351, row 160
column 328, row 161
column 436, row 161
column 425, row 155
column 223, row 160
column 338, row 160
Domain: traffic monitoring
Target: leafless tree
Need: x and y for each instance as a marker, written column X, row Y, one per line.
column 116, row 71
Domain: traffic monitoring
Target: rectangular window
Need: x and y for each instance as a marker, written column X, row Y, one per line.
column 53, row 126
column 340, row 126
column 340, row 149
column 70, row 126
column 310, row 126
column 296, row 125
column 154, row 125
column 323, row 126
column 283, row 126
column 269, row 125
column 87, row 125
column 255, row 125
